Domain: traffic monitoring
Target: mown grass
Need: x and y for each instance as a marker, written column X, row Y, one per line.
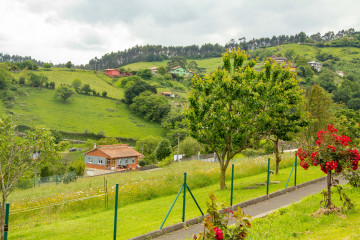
column 144, row 200
column 80, row 113
column 295, row 222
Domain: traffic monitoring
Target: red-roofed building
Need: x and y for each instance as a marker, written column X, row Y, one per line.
column 112, row 72
column 112, row 157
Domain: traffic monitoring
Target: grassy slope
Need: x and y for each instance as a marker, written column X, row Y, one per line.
column 295, row 222
column 75, row 221
column 80, row 113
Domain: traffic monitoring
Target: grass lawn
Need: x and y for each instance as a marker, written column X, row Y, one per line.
column 295, row 222
column 143, row 202
column 82, row 112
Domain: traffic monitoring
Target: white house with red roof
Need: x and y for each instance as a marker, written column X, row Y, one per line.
column 112, row 157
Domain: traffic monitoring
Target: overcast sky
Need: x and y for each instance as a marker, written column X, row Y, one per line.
column 77, row 30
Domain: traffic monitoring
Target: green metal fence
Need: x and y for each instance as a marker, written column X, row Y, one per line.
column 39, row 181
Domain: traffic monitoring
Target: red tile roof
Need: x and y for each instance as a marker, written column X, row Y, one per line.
column 116, row 151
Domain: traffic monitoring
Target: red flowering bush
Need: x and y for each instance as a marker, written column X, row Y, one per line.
column 216, row 224
column 332, row 153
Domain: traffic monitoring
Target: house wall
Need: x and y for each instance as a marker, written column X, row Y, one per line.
column 95, row 160
column 96, row 166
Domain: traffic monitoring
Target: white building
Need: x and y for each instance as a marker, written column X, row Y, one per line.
column 315, row 65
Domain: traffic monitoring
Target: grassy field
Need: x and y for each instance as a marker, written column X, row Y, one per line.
column 82, row 112
column 144, row 199
column 295, row 222
column 98, row 81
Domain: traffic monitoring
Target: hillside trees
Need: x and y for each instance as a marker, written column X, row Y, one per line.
column 232, row 108
column 163, row 149
column 76, row 84
column 17, row 161
column 64, row 92
column 151, row 106
column 176, row 61
column 136, row 89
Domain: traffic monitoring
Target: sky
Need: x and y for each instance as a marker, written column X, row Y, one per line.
column 58, row 31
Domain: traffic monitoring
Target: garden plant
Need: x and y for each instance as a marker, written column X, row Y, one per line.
column 333, row 154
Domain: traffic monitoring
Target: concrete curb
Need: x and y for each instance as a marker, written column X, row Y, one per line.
column 199, row 219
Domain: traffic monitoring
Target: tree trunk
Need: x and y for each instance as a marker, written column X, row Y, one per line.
column 328, row 205
column 2, row 217
column 277, row 155
column 222, row 178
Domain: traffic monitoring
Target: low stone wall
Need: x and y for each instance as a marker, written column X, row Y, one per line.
column 144, row 168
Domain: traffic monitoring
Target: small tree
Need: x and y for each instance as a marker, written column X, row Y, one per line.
column 333, row 154
column 47, row 66
column 104, row 93
column 68, row 64
column 235, row 107
column 76, row 84
column 18, row 161
column 65, row 92
column 189, row 146
column 86, row 89
column 163, row 149
column 161, row 70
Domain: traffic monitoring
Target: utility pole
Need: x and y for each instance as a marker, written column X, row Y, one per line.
column 177, row 156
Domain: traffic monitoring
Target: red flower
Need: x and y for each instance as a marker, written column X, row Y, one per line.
column 331, row 128
column 248, row 224
column 219, row 234
column 332, row 147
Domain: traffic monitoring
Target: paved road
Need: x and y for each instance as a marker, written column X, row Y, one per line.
column 257, row 210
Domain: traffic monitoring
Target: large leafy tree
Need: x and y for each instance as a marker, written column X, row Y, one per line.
column 64, row 92
column 18, row 160
column 235, row 107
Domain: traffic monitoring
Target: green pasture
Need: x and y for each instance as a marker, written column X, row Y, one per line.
column 295, row 222
column 144, row 199
column 98, row 81
column 81, row 113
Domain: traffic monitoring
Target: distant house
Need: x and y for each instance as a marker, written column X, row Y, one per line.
column 180, row 71
column 112, row 157
column 112, row 72
column 126, row 74
column 168, row 94
column 153, row 70
column 279, row 60
column 340, row 73
column 292, row 68
column 315, row 65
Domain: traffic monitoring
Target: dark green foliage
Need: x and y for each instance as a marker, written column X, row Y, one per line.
column 163, row 149
column 354, row 104
column 76, row 84
column 104, row 93
column 57, row 136
column 52, row 85
column 64, row 92
column 177, row 61
column 145, row 74
column 78, row 167
column 327, row 80
column 4, row 78
column 86, row 89
column 161, row 70
column 147, row 145
column 138, row 88
column 28, row 64
column 142, row 163
column 107, row 141
column 175, row 124
column 22, row 81
column 46, row 65
column 68, row 64
column 150, row 106
column 190, row 146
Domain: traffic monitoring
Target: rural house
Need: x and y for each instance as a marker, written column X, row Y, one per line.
column 153, row 70
column 180, row 71
column 112, row 72
column 112, row 157
column 279, row 60
column 315, row 65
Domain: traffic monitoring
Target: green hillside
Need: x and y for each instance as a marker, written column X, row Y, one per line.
column 98, row 81
column 82, row 113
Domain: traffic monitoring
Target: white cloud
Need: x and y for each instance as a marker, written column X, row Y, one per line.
column 78, row 30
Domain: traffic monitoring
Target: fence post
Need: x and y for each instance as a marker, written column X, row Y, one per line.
column 116, row 207
column 232, row 184
column 268, row 178
column 6, row 226
column 184, row 198
column 295, row 170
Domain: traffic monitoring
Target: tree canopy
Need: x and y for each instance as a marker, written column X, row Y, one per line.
column 235, row 107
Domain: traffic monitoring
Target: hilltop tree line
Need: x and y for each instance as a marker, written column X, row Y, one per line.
column 301, row 37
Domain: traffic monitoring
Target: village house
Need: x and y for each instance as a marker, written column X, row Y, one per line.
column 112, row 72
column 315, row 65
column 153, row 70
column 168, row 94
column 340, row 73
column 279, row 60
column 180, row 71
column 116, row 157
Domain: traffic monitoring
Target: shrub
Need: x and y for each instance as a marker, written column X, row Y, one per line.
column 142, row 163
column 353, row 177
column 166, row 161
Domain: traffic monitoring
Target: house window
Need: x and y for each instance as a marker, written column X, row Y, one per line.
column 133, row 161
column 100, row 161
column 90, row 160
